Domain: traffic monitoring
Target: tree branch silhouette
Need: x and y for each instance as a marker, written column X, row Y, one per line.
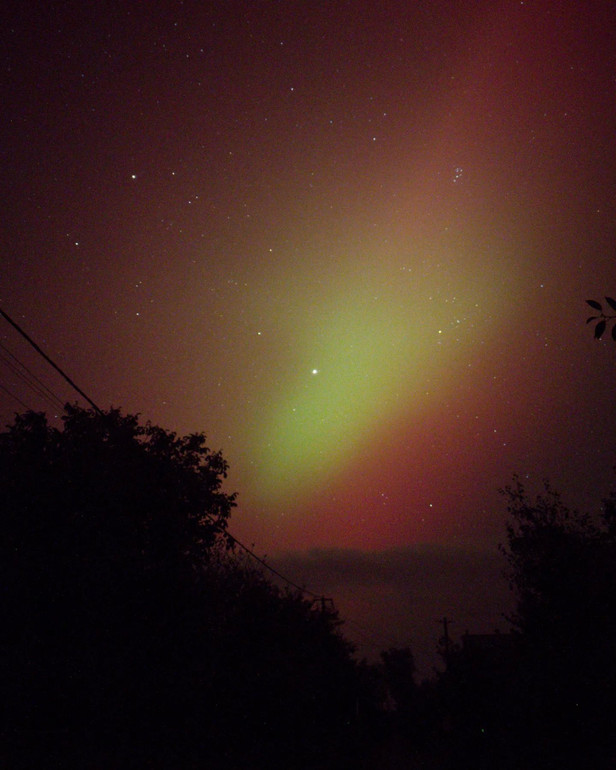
column 603, row 318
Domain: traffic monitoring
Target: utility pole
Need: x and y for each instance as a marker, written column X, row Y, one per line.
column 446, row 641
column 326, row 604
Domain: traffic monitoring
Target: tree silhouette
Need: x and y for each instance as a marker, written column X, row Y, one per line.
column 105, row 524
column 562, row 567
column 134, row 635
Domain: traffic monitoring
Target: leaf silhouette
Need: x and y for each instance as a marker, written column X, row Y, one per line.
column 611, row 302
column 599, row 329
column 595, row 304
column 592, row 318
column 614, row 332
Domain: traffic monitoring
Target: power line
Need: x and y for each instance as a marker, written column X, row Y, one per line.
column 20, row 375
column 369, row 639
column 12, row 395
column 30, row 378
column 31, row 374
column 263, row 563
column 48, row 359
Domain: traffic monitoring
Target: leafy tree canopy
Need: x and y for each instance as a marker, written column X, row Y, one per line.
column 107, row 467
column 562, row 567
column 134, row 634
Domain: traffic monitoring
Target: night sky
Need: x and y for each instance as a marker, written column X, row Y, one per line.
column 351, row 242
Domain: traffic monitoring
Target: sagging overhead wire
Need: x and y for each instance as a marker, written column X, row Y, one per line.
column 21, row 371
column 267, row 566
column 12, row 395
column 48, row 359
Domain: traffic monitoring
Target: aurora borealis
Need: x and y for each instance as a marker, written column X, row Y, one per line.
column 350, row 241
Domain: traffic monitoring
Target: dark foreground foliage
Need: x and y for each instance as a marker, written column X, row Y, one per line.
column 544, row 695
column 603, row 318
column 562, row 567
column 133, row 636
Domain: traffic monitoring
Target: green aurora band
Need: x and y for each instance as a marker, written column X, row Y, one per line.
column 370, row 354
